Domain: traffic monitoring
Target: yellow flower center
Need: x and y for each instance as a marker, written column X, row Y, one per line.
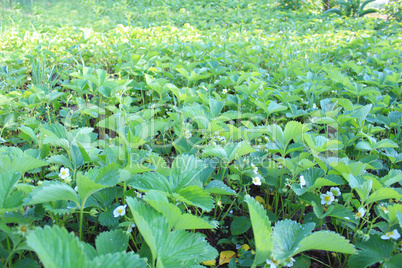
column 390, row 233
column 63, row 173
column 23, row 229
column 327, row 198
column 120, row 210
column 384, row 209
column 358, row 214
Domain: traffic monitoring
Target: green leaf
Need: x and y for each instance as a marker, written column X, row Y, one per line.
column 51, row 191
column 61, row 160
column 86, row 186
column 372, row 251
column 184, row 172
column 394, row 262
column 385, row 143
column 240, row 149
column 326, row 240
column 151, row 181
column 215, row 107
column 118, row 260
column 106, row 218
column 152, row 225
column 29, row 132
column 183, row 249
column 293, row 131
column 111, row 242
column 219, row 187
column 383, row 193
column 196, row 196
column 240, row 225
column 261, row 229
column 8, row 180
column 171, row 249
column 364, row 189
column 216, row 151
column 287, row 235
column 334, row 10
column 57, row 248
column 176, row 219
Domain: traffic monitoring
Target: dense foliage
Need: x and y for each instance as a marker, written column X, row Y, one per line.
column 198, row 133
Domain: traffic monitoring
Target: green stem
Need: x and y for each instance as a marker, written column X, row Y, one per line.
column 81, row 219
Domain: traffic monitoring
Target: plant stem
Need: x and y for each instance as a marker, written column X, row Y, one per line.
column 81, row 219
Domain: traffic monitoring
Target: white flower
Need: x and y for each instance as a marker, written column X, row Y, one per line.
column 139, row 195
column 360, row 212
column 257, row 180
column 384, row 209
column 64, row 173
column 130, row 228
column 290, row 263
column 335, row 191
column 231, row 122
column 314, row 106
column 327, row 198
column 224, row 91
column 119, row 211
column 272, row 263
column 302, row 181
column 76, row 188
column 187, row 134
column 149, row 93
column 392, row 234
column 255, row 170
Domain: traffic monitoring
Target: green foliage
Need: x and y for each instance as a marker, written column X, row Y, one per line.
column 146, row 126
column 176, row 248
column 352, row 8
column 394, row 10
column 58, row 248
column 289, row 238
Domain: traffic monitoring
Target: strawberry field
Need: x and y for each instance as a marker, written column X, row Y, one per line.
column 200, row 134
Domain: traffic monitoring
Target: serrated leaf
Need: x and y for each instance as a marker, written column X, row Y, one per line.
column 196, row 196
column 151, row 181
column 29, row 132
column 7, row 182
column 218, row 187
column 326, row 240
column 240, row 225
column 118, row 260
column 240, row 149
column 52, row 191
column 394, row 262
column 383, row 193
column 176, row 219
column 184, row 172
column 114, row 241
column 261, row 229
column 364, row 189
column 372, row 251
column 184, row 249
column 287, row 235
column 57, row 248
column 152, row 225
column 106, row 218
column 86, row 186
column 61, row 160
